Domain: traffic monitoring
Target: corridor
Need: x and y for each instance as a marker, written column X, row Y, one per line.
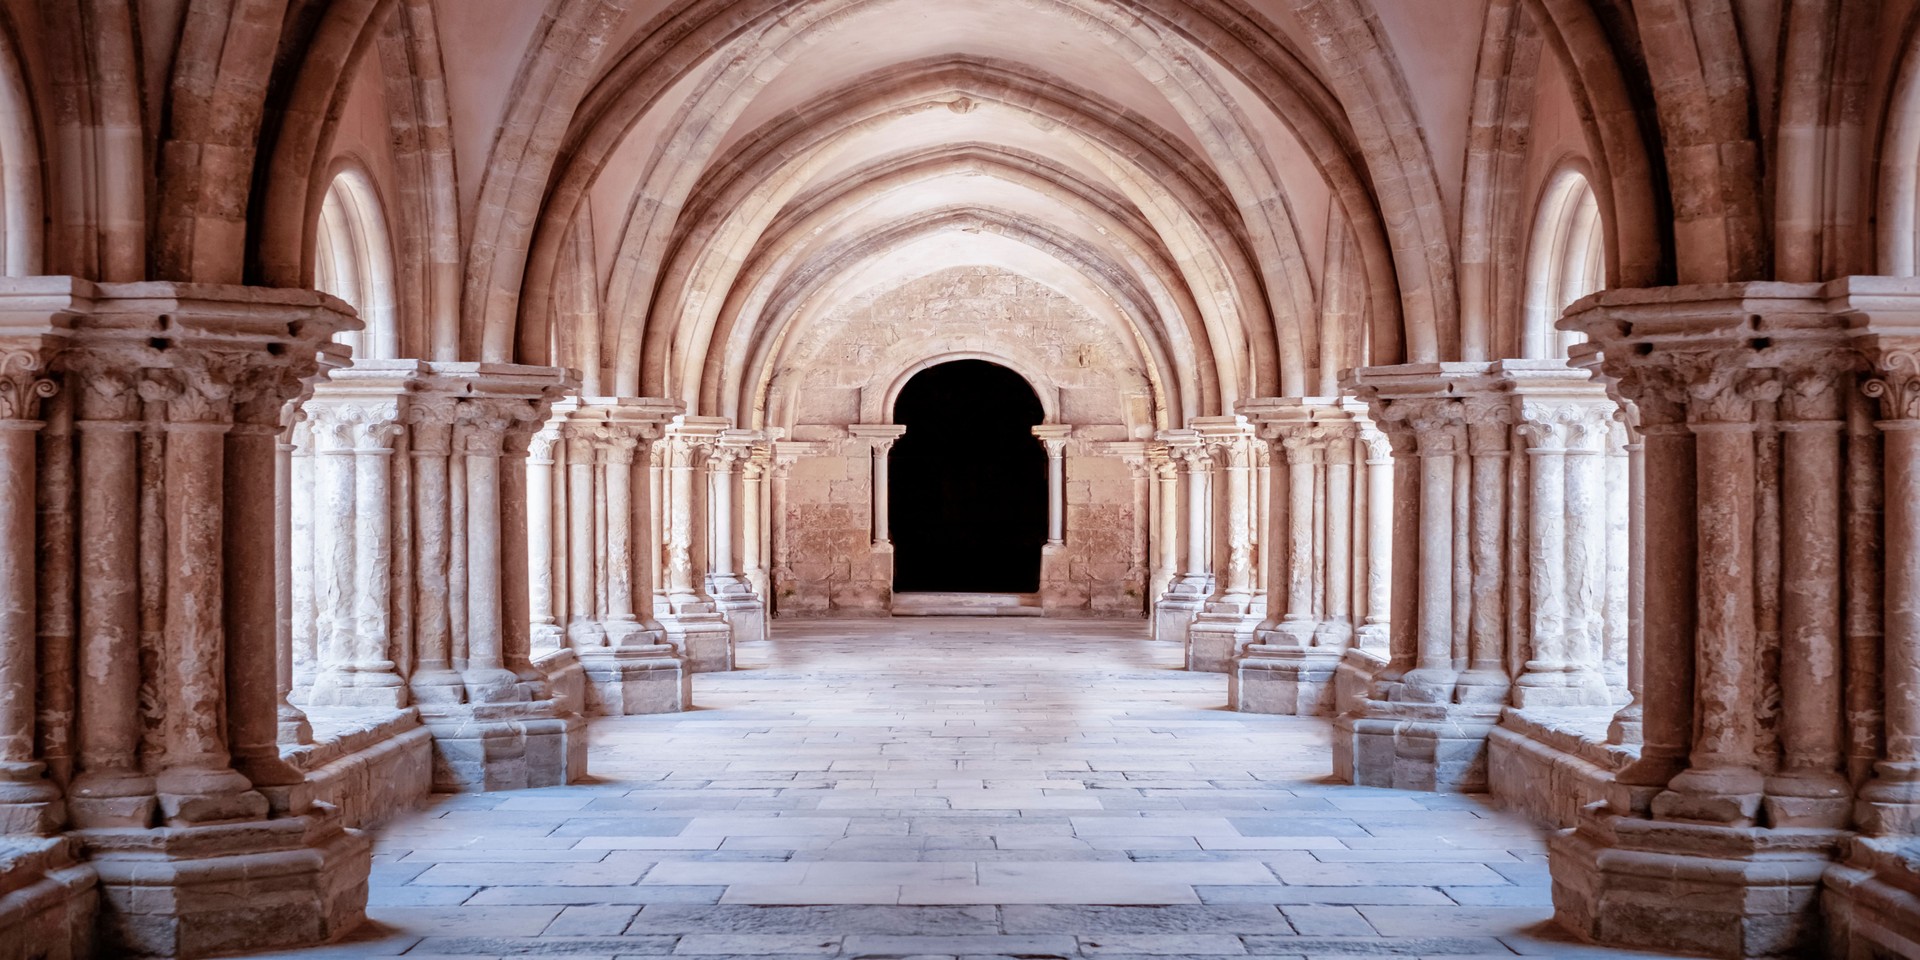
column 963, row 788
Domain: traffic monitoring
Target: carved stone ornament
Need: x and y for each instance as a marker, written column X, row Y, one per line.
column 1898, row 385
column 23, row 385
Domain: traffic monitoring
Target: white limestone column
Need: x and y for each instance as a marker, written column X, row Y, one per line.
column 882, row 521
column 1199, row 471
column 1056, row 488
column 1337, row 617
column 1437, row 431
column 1485, row 679
column 333, row 486
column 1299, row 447
column 541, row 546
column 657, row 504
column 617, row 455
column 1261, row 528
column 1586, row 517
column 480, row 439
column 305, row 626
column 720, row 510
column 250, row 602
column 753, row 473
column 1626, row 726
column 1374, row 632
column 1543, row 678
column 1619, row 576
column 431, row 425
column 1235, row 460
column 583, row 628
column 373, row 660
column 1166, row 472
column 679, row 521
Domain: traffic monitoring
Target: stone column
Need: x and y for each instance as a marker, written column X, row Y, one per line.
column 1166, row 522
column 110, row 789
column 753, row 520
column 1809, row 789
column 780, row 468
column 584, row 630
column 495, row 717
column 29, row 801
column 630, row 669
column 1439, row 432
column 181, row 537
column 1187, row 534
column 693, row 622
column 1686, row 852
column 1054, row 438
column 545, row 632
column 1290, row 667
column 293, row 727
column 732, row 592
column 1890, row 802
column 1372, row 635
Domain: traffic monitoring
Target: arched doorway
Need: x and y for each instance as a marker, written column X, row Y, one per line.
column 967, row 483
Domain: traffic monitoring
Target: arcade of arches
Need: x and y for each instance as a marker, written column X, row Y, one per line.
column 1528, row 390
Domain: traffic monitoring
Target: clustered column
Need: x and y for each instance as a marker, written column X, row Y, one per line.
column 1193, row 584
column 689, row 615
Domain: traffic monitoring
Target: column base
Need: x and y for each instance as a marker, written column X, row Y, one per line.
column 704, row 639
column 344, row 688
column 1175, row 613
column 745, row 614
column 1740, row 892
column 51, row 901
column 634, row 681
column 1436, row 747
column 506, row 746
column 1871, row 901
column 206, row 891
column 1282, row 681
column 1215, row 638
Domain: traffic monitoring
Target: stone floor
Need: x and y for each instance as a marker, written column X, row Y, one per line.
column 987, row 787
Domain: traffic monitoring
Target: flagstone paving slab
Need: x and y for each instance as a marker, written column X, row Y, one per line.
column 959, row 788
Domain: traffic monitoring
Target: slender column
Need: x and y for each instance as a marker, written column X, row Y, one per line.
column 1668, row 609
column 616, row 455
column 583, row 630
column 372, row 635
column 1433, row 677
column 1890, row 802
column 656, row 519
column 1379, row 527
column 1261, row 529
column 252, row 601
column 110, row 789
column 1299, row 446
column 1589, row 425
column 753, row 473
column 1722, row 783
column 1627, row 724
column 1235, row 464
column 882, row 521
column 1548, row 658
column 1166, row 473
column 1618, row 581
column 28, row 800
column 680, row 583
column 1198, row 522
column 1338, row 614
column 292, row 725
column 330, row 430
column 781, row 468
column 720, row 509
column 541, row 506
column 480, row 439
column 198, row 783
column 434, row 679
column 1809, row 790
column 513, row 591
column 1056, row 489
column 304, row 612
column 1485, row 679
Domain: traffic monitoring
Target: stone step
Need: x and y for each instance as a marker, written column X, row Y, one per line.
column 966, row 605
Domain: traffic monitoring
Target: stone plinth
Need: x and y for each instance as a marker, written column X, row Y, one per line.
column 1285, row 681
column 505, row 746
column 1416, row 746
column 1744, row 892
column 49, row 902
column 1871, row 900
column 628, row 681
column 212, row 890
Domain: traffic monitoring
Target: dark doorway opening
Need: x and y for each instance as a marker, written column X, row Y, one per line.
column 967, row 482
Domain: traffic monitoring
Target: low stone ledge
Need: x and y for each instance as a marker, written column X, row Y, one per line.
column 1871, row 900
column 1549, row 766
column 48, row 900
column 370, row 767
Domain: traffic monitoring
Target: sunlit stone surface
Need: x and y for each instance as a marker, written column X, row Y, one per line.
column 960, row 787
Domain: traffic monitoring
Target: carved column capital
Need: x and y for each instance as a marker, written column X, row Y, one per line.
column 1896, row 382
column 23, row 382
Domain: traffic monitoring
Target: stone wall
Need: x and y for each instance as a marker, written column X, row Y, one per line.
column 847, row 364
